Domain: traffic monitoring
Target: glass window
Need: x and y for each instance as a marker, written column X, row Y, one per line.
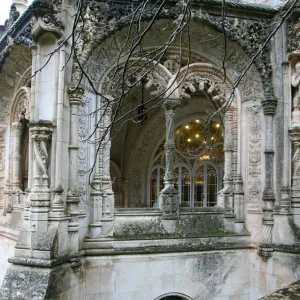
column 199, row 163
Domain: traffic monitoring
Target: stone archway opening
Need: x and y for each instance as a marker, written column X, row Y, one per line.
column 173, row 296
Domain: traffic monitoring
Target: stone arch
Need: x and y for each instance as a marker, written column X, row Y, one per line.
column 208, row 79
column 15, row 97
column 211, row 52
column 235, row 32
column 157, row 79
column 251, row 87
column 21, row 104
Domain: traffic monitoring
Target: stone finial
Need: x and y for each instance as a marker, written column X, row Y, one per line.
column 269, row 107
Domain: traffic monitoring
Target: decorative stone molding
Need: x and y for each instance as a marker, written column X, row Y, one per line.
column 269, row 107
column 249, row 34
column 45, row 20
column 293, row 34
column 205, row 77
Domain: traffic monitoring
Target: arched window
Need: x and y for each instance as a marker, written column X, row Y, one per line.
column 198, row 165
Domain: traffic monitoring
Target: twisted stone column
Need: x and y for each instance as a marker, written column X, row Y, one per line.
column 268, row 196
column 40, row 194
column 169, row 199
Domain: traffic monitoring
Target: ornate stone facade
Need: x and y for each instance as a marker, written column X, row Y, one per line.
column 79, row 132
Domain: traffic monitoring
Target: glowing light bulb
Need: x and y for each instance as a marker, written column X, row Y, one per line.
column 217, row 125
column 197, row 121
column 212, row 138
column 197, row 135
column 188, row 140
column 187, row 126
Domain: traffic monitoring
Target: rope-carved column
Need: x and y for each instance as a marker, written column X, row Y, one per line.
column 40, row 194
column 169, row 199
column 268, row 196
column 76, row 99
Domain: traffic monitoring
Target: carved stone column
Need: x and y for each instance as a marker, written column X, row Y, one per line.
column 108, row 199
column 268, row 196
column 102, row 196
column 17, row 128
column 40, row 193
column 169, row 199
column 225, row 198
column 76, row 98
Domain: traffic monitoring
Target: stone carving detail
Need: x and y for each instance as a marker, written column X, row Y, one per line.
column 246, row 33
column 40, row 134
column 250, row 35
column 205, row 78
column 269, row 107
column 254, row 158
column 13, row 16
column 82, row 151
column 44, row 19
column 293, row 34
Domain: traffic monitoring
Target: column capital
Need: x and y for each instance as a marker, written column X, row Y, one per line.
column 269, row 107
column 295, row 135
column 171, row 103
column 76, row 95
column 16, row 126
column 41, row 130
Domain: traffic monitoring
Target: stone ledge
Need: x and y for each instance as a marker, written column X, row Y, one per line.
column 197, row 247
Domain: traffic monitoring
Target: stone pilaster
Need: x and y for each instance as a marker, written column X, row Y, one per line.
column 268, row 196
column 40, row 133
column 169, row 199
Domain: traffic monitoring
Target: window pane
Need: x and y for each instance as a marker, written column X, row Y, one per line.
column 153, row 188
column 211, row 186
column 185, row 188
column 199, row 187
